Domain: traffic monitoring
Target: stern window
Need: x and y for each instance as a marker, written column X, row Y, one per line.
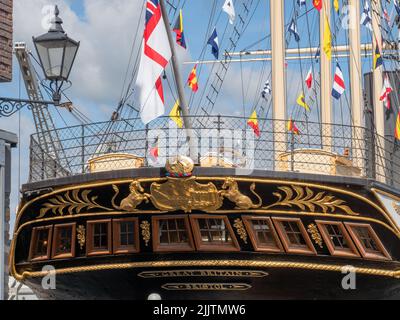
column 294, row 236
column 367, row 241
column 337, row 239
column 262, row 234
column 99, row 237
column 126, row 235
column 172, row 234
column 40, row 243
column 64, row 241
column 213, row 233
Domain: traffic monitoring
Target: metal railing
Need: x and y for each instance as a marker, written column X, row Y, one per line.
column 222, row 141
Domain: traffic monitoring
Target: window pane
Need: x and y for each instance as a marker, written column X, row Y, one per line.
column 214, row 231
column 263, row 232
column 64, row 240
column 100, row 236
column 367, row 240
column 337, row 237
column 42, row 242
column 293, row 233
column 126, row 233
column 173, row 231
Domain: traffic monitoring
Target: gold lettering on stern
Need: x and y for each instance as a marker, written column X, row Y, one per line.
column 202, row 273
column 206, row 286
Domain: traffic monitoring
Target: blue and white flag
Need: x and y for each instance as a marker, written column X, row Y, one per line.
column 213, row 42
column 338, row 83
column 317, row 55
column 293, row 29
column 397, row 7
column 301, row 3
column 267, row 90
column 366, row 17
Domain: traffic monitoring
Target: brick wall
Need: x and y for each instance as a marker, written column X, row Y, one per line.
column 6, row 30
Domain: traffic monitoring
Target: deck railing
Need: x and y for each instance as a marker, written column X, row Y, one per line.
column 221, row 141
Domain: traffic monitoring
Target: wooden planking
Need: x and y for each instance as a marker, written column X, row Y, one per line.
column 6, row 32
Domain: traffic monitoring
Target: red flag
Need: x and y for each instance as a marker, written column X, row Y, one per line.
column 192, row 81
column 253, row 123
column 317, row 4
column 291, row 126
column 386, row 90
column 309, row 79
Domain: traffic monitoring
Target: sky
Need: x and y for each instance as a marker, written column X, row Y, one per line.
column 106, row 30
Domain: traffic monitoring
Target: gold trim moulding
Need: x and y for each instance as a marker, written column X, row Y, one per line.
column 203, row 273
column 212, row 263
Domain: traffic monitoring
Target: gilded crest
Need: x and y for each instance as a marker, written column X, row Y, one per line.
column 185, row 194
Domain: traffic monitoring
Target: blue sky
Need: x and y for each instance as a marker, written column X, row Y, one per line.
column 106, row 29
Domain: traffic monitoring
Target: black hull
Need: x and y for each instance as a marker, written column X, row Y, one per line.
column 279, row 284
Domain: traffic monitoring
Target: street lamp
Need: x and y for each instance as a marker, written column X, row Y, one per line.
column 57, row 54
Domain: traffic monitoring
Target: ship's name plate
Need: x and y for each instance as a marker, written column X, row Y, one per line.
column 207, row 286
column 203, row 273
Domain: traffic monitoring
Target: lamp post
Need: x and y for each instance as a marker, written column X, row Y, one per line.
column 56, row 52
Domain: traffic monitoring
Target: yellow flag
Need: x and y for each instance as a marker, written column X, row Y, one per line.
column 336, row 5
column 175, row 114
column 301, row 101
column 327, row 39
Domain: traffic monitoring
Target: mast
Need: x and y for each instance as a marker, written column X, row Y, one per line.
column 377, row 86
column 326, row 80
column 278, row 76
column 356, row 83
column 181, row 91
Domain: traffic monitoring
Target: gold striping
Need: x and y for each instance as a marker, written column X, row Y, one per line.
column 213, row 263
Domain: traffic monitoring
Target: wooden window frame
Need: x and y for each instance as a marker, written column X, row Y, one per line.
column 367, row 255
column 248, row 222
column 200, row 246
column 71, row 254
column 33, row 243
column 157, row 247
column 117, row 247
column 285, row 241
column 90, row 251
column 351, row 252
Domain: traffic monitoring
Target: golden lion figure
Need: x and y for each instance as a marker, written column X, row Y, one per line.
column 232, row 193
column 135, row 197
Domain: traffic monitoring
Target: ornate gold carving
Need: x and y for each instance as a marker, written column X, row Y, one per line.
column 185, row 194
column 179, row 166
column 203, row 273
column 396, row 207
column 81, row 236
column 206, row 286
column 306, row 198
column 71, row 202
column 145, row 226
column 135, row 197
column 232, row 193
column 240, row 229
column 315, row 235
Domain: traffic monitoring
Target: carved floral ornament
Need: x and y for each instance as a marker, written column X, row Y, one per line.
column 181, row 191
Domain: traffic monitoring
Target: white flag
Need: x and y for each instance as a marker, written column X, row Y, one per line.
column 156, row 54
column 230, row 10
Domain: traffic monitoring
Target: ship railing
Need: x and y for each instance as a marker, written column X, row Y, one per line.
column 222, row 141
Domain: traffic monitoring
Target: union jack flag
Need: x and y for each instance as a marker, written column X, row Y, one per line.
column 155, row 56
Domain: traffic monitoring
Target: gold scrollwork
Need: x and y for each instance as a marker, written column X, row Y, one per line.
column 240, row 229
column 206, row 286
column 315, row 235
column 145, row 226
column 71, row 203
column 305, row 198
column 81, row 236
